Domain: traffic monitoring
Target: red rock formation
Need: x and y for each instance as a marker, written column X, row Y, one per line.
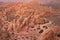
column 23, row 21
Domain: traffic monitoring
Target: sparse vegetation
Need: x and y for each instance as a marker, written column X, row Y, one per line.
column 26, row 21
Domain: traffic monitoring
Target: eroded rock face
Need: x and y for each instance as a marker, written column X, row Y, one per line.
column 51, row 34
column 24, row 22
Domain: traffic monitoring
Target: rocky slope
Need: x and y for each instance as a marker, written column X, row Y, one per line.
column 25, row 21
